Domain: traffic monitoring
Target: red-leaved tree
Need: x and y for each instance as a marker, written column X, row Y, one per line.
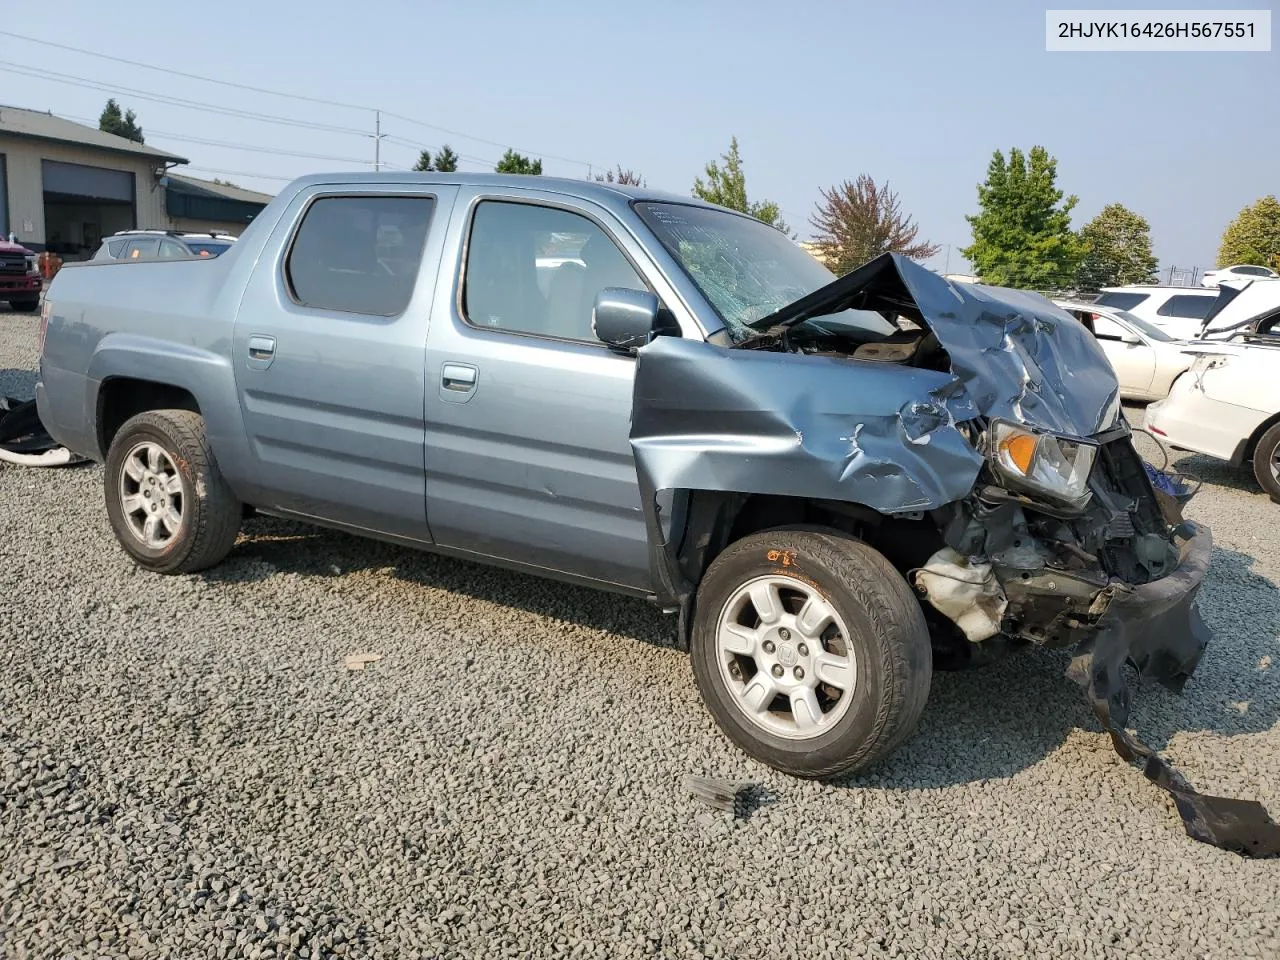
column 860, row 220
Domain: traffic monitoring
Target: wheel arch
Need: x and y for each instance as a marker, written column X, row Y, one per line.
column 121, row 398
column 130, row 373
column 1250, row 446
column 713, row 520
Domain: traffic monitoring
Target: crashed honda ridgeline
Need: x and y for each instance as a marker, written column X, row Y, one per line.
column 833, row 481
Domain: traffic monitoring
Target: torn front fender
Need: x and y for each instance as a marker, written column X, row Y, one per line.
column 710, row 418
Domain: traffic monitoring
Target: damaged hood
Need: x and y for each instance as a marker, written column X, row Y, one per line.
column 883, row 435
column 1016, row 354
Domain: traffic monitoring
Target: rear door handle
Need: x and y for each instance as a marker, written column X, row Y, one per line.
column 262, row 351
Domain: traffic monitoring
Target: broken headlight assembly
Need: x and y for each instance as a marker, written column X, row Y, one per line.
column 1044, row 464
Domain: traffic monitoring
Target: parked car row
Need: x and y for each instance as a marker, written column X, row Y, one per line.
column 1227, row 406
column 1217, row 391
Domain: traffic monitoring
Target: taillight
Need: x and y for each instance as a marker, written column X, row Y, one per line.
column 45, row 310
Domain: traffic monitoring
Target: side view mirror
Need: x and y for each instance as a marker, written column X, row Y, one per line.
column 625, row 319
column 1130, row 339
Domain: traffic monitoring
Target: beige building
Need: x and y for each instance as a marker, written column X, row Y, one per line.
column 64, row 186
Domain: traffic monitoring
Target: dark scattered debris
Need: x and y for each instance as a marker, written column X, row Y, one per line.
column 24, row 440
column 1157, row 628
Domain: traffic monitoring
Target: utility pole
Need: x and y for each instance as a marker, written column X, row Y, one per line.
column 377, row 140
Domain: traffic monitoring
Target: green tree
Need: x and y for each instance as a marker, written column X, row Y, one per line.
column 513, row 162
column 727, row 186
column 622, row 177
column 857, row 221
column 1253, row 236
column 446, row 160
column 121, row 124
column 1022, row 233
column 1117, row 249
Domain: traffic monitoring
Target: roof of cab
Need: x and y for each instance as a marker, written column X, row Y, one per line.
column 606, row 193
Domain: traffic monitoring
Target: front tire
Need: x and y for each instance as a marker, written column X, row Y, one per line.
column 1266, row 462
column 168, row 504
column 810, row 651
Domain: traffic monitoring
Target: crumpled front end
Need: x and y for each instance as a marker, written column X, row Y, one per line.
column 987, row 428
column 1116, row 581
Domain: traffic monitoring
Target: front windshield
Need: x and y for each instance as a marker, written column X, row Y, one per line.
column 745, row 268
column 1149, row 330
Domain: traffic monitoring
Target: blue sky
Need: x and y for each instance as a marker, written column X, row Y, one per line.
column 918, row 94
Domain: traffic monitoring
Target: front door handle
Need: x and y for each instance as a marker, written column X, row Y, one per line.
column 458, row 377
column 262, row 351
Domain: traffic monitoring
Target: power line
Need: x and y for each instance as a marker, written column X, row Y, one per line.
column 292, row 96
column 241, row 173
column 274, row 152
column 72, row 80
column 234, row 146
column 401, row 141
column 189, row 76
column 492, row 143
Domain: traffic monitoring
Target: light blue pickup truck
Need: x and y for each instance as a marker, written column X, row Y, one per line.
column 834, row 482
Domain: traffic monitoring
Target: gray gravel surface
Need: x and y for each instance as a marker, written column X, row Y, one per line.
column 188, row 770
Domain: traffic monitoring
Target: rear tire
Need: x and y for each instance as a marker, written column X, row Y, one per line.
column 168, row 504
column 1266, row 462
column 791, row 623
column 24, row 306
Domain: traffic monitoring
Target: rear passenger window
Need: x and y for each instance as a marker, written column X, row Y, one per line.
column 359, row 254
column 116, row 248
column 143, row 249
column 1122, row 301
column 535, row 269
column 1186, row 306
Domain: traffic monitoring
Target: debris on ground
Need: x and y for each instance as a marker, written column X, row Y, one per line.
column 357, row 661
column 726, row 795
column 24, row 440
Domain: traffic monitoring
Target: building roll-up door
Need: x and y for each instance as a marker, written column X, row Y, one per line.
column 77, row 180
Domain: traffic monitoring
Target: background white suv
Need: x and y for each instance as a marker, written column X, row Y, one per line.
column 1178, row 311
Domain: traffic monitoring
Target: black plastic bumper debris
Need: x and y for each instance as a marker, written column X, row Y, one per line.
column 1158, row 628
column 24, row 440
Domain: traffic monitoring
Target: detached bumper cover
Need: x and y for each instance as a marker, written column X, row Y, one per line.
column 1158, row 627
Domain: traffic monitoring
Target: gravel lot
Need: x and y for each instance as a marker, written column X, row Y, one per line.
column 188, row 770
